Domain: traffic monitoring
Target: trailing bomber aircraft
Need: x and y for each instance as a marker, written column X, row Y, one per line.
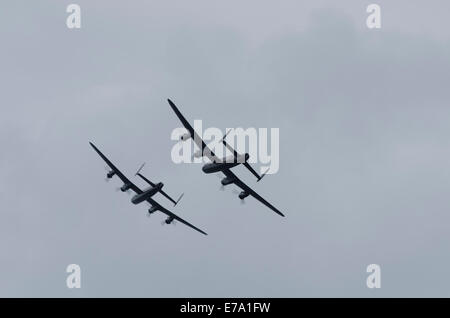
column 146, row 194
column 223, row 165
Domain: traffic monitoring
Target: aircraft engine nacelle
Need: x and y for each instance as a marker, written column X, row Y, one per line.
column 243, row 195
column 153, row 209
column 185, row 136
column 169, row 220
column 226, row 181
column 125, row 187
column 110, row 174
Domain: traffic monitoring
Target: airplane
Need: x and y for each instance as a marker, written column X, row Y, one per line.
column 222, row 165
column 146, row 194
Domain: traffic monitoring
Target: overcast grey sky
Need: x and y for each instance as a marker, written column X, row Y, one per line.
column 364, row 149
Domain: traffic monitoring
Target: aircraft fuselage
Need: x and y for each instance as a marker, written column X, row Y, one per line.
column 148, row 193
column 217, row 167
column 227, row 163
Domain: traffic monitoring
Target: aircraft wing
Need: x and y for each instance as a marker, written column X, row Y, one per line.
column 247, row 189
column 173, row 215
column 122, row 177
column 197, row 139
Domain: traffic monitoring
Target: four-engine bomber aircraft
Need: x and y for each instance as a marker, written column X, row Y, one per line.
column 146, row 194
column 222, row 165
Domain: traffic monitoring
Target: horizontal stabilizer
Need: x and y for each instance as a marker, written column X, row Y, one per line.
column 146, row 180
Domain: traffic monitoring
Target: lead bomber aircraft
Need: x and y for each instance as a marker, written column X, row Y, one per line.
column 146, row 194
column 223, row 165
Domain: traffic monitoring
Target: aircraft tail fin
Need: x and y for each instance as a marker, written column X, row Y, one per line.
column 262, row 176
column 179, row 199
column 140, row 168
